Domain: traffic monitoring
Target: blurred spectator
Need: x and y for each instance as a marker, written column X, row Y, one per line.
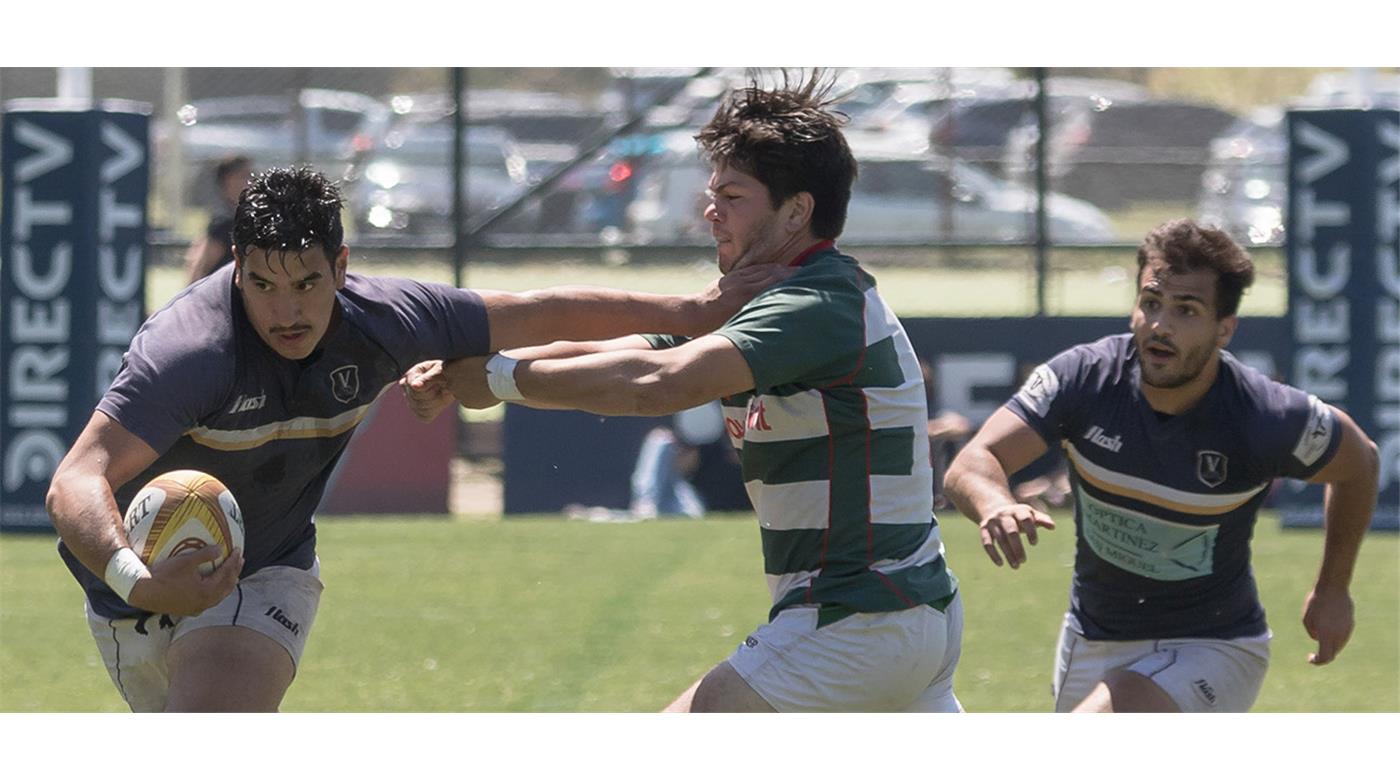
column 214, row 248
column 948, row 431
column 1044, row 483
column 669, row 456
column 661, row 480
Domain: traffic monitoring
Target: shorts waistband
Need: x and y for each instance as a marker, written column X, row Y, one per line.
column 830, row 613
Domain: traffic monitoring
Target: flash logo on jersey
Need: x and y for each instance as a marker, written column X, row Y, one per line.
column 1211, row 467
column 345, row 383
column 248, row 403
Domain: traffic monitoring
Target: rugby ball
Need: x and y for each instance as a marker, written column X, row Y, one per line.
column 182, row 511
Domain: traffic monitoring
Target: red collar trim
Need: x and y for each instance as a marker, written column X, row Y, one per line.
column 811, row 250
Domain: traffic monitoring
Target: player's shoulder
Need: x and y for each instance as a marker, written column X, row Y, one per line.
column 832, row 267
column 1105, row 360
column 402, row 300
column 828, row 277
column 1258, row 396
column 1275, row 417
column 381, row 290
column 196, row 326
column 1080, row 374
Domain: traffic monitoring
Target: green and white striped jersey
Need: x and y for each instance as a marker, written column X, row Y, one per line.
column 833, row 443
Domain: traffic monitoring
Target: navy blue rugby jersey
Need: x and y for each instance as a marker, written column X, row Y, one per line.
column 1165, row 505
column 202, row 388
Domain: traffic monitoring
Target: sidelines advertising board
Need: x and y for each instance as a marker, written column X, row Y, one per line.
column 72, row 280
column 1344, row 283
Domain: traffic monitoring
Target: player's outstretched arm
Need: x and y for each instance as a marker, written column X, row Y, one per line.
column 426, row 386
column 642, row 382
column 85, row 514
column 586, row 314
column 425, row 390
column 978, row 483
column 1348, row 503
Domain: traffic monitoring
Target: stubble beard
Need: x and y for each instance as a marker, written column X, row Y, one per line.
column 764, row 244
column 1193, row 363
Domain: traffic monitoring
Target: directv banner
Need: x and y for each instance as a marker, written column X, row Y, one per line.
column 72, row 280
column 1344, row 283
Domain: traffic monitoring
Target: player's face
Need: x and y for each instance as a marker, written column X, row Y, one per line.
column 290, row 298
column 743, row 221
column 1175, row 326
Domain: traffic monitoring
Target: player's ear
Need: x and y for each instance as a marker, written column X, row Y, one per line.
column 1225, row 330
column 799, row 209
column 342, row 259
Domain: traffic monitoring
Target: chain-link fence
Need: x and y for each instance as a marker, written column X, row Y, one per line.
column 600, row 164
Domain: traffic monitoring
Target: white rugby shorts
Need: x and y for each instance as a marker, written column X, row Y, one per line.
column 865, row 662
column 279, row 602
column 1200, row 675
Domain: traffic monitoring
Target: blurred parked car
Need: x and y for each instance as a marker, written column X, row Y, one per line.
column 900, row 197
column 1127, row 151
column 548, row 127
column 903, row 197
column 548, row 130
column 325, row 128
column 1244, row 189
column 981, row 128
column 404, row 186
column 637, row 90
column 1354, row 88
column 910, row 101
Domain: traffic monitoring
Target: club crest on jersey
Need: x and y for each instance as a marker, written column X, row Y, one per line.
column 758, row 417
column 345, row 383
column 1039, row 389
column 1211, row 467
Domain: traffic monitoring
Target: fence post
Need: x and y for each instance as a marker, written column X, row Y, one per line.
column 459, row 179
column 1042, row 241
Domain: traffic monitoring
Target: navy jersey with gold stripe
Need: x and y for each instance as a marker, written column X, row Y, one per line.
column 1165, row 505
column 202, row 388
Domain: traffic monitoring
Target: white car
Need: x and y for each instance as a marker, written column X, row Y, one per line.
column 324, row 128
column 404, row 186
column 909, row 198
column 900, row 197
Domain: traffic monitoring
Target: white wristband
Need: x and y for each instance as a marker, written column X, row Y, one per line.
column 123, row 570
column 500, row 377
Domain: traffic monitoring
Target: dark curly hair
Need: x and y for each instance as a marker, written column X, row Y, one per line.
column 788, row 139
column 1187, row 246
column 288, row 209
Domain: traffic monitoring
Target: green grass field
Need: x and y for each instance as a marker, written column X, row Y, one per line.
column 547, row 615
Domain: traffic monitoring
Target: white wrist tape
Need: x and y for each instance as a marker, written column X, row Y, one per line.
column 123, row 570
column 500, row 377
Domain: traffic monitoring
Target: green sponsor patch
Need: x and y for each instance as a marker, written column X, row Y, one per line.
column 1145, row 545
